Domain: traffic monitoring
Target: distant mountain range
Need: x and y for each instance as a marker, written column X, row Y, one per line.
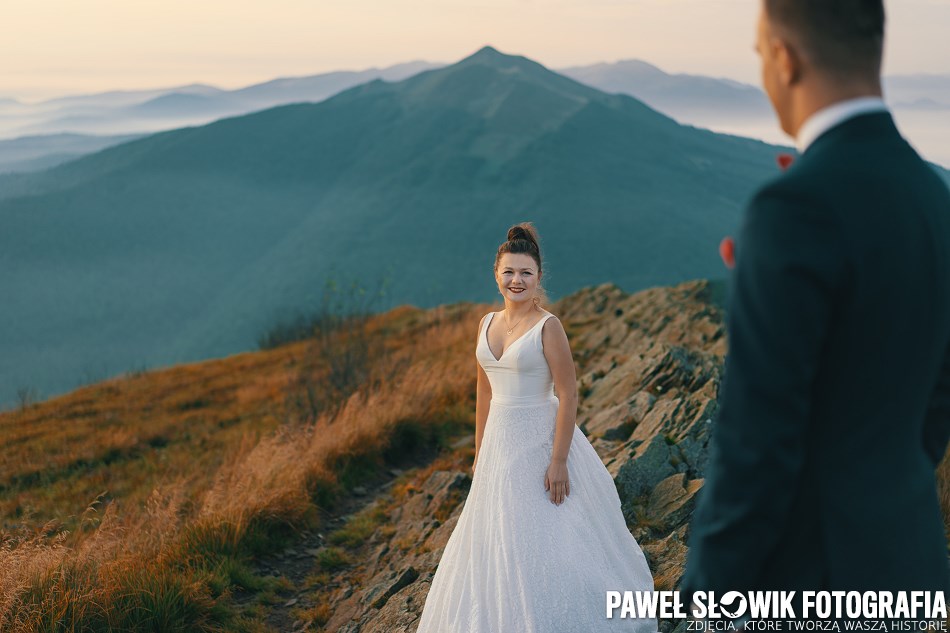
column 911, row 91
column 686, row 98
column 143, row 107
column 97, row 117
column 921, row 104
column 189, row 244
column 35, row 153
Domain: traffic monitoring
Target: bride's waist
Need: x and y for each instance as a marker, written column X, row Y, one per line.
column 521, row 400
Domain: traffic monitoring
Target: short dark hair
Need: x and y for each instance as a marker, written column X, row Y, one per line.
column 843, row 37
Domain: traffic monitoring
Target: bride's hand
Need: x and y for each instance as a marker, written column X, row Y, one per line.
column 557, row 482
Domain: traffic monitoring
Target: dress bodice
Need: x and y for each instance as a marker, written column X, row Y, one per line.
column 521, row 375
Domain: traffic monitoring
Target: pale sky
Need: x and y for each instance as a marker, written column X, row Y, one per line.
column 55, row 47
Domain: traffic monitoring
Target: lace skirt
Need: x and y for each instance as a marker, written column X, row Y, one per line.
column 517, row 563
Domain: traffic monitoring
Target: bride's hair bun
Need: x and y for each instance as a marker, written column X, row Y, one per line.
column 523, row 238
column 524, row 231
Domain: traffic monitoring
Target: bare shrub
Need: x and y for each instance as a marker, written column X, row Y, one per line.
column 341, row 352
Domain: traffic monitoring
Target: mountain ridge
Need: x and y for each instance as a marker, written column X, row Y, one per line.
column 188, row 244
column 724, row 105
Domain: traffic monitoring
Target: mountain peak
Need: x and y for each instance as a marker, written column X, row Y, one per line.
column 491, row 56
column 487, row 52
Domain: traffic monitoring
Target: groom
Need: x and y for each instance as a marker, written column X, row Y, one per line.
column 835, row 403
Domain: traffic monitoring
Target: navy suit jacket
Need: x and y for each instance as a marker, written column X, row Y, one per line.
column 834, row 408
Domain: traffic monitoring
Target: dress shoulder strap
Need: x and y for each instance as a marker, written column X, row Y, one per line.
column 484, row 327
column 540, row 325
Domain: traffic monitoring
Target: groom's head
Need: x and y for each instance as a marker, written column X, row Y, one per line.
column 818, row 50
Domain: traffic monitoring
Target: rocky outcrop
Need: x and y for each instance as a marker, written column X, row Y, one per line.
column 650, row 365
column 397, row 576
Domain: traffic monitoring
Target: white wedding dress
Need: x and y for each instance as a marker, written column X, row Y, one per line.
column 515, row 562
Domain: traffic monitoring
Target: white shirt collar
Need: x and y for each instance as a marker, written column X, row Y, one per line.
column 826, row 118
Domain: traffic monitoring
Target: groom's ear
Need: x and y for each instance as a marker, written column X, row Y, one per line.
column 788, row 61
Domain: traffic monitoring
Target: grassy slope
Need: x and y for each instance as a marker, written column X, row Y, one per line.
column 197, row 482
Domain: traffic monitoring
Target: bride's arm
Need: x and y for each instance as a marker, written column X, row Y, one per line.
column 482, row 400
column 557, row 351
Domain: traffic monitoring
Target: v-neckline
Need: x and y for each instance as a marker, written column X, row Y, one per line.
column 511, row 344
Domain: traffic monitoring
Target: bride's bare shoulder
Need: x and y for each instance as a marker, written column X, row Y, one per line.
column 551, row 326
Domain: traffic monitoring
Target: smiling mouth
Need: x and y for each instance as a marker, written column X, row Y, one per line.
column 516, row 289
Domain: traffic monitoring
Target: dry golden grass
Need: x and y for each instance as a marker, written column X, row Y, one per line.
column 201, row 462
column 667, row 579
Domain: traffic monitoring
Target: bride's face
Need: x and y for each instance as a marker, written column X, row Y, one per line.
column 517, row 276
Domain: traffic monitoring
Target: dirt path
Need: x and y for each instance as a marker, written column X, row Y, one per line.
column 307, row 586
column 299, row 561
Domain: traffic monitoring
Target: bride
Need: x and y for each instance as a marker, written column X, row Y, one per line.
column 541, row 537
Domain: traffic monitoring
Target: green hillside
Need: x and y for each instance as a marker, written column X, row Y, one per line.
column 188, row 244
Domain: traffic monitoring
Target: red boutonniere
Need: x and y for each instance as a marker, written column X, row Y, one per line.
column 785, row 161
column 727, row 250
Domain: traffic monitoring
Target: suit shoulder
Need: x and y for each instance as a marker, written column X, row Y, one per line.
column 791, row 196
column 788, row 221
column 939, row 183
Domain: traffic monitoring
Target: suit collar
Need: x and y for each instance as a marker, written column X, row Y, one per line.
column 830, row 117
